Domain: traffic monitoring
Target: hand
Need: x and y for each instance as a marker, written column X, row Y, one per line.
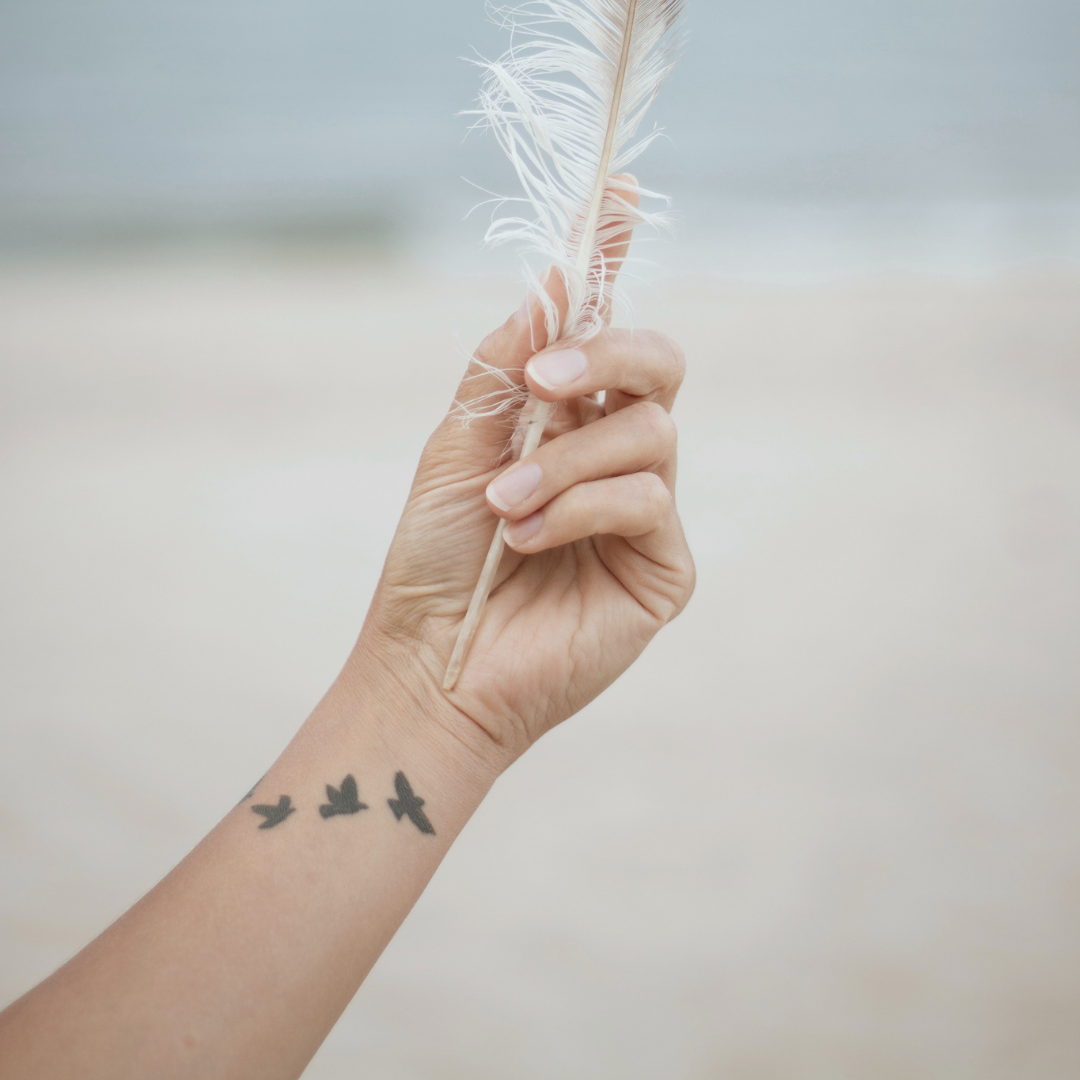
column 597, row 563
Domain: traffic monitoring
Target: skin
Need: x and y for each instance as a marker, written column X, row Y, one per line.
column 241, row 960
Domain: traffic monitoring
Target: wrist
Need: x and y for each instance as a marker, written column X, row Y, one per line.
column 397, row 701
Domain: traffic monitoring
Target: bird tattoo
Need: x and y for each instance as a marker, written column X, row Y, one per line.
column 275, row 815
column 408, row 804
column 342, row 800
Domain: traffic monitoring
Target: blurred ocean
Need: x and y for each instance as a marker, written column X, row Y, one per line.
column 935, row 135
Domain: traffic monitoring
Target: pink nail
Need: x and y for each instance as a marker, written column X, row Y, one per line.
column 524, row 530
column 555, row 370
column 514, row 487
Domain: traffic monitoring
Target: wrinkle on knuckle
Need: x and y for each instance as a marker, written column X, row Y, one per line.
column 673, row 360
column 667, row 358
column 686, row 570
column 654, row 499
column 496, row 344
column 678, row 584
column 486, row 352
column 691, row 584
column 657, row 363
column 660, row 426
column 632, row 355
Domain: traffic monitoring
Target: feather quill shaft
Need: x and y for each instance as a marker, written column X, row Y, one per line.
column 588, row 238
column 565, row 138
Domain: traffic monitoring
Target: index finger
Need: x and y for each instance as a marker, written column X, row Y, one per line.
column 635, row 364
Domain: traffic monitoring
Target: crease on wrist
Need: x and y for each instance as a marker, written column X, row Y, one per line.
column 410, row 692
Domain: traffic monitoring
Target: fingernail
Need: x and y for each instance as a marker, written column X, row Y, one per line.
column 525, row 529
column 554, row 370
column 514, row 487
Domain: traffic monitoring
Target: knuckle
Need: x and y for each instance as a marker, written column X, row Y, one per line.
column 670, row 359
column 654, row 496
column 686, row 591
column 657, row 422
column 688, row 572
column 497, row 343
column 487, row 351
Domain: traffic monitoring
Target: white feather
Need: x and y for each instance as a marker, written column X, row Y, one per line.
column 565, row 102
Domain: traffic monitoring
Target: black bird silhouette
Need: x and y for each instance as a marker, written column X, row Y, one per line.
column 343, row 800
column 408, row 803
column 275, row 815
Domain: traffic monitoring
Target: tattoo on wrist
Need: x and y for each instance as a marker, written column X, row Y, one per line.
column 408, row 804
column 343, row 800
column 275, row 815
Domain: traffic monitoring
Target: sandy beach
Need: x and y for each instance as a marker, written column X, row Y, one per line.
column 824, row 830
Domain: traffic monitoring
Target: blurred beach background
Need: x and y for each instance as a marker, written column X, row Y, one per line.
column 827, row 828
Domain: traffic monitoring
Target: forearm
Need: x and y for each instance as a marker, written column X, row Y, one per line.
column 241, row 960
